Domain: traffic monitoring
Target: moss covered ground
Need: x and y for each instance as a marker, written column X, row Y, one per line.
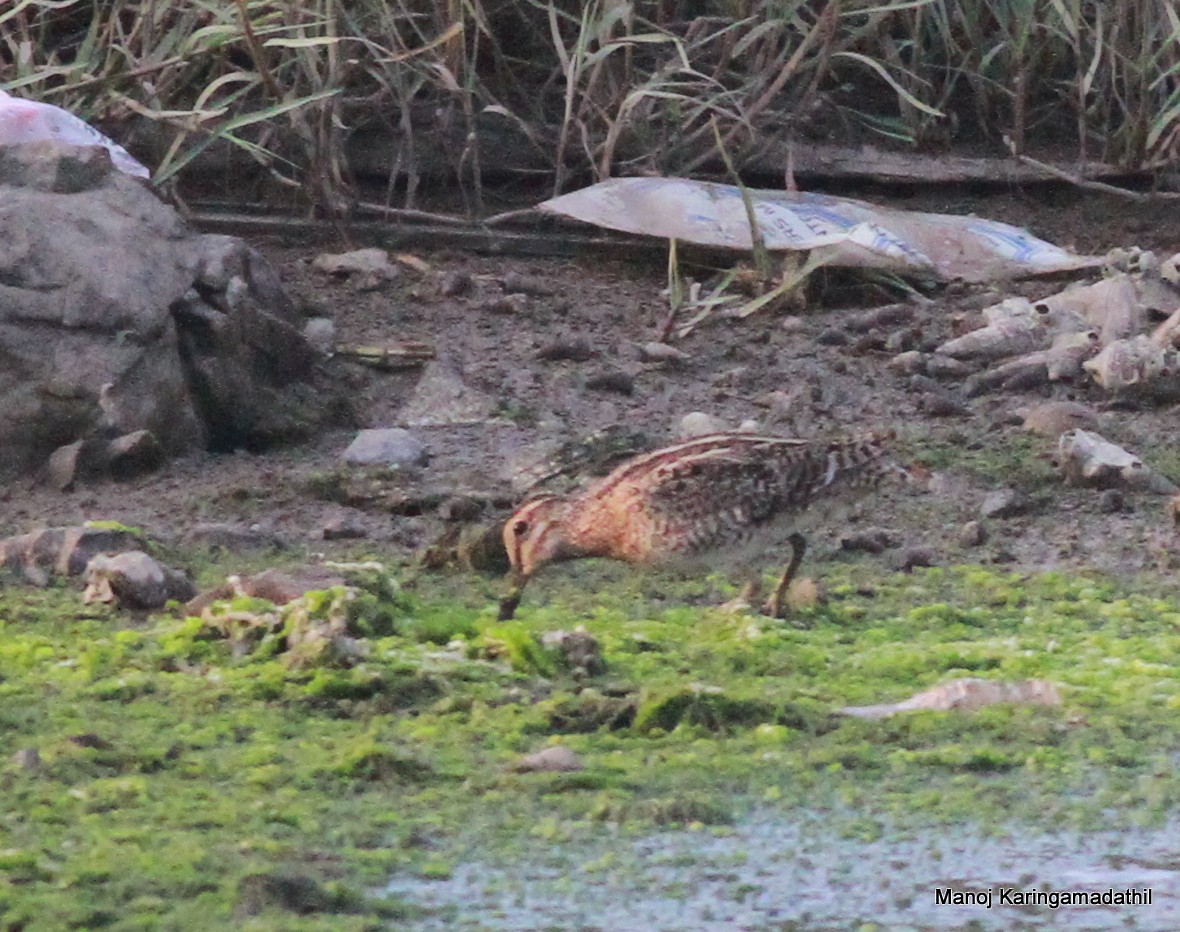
column 161, row 774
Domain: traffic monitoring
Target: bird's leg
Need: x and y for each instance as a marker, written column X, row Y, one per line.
column 511, row 600
column 747, row 595
column 774, row 605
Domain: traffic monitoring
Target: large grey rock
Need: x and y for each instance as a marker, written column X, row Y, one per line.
column 116, row 317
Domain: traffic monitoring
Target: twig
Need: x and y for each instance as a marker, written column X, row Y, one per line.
column 403, row 213
column 1100, row 186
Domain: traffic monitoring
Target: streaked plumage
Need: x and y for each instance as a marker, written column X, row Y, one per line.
column 720, row 492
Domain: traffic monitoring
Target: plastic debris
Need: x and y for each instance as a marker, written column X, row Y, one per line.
column 849, row 232
column 32, row 121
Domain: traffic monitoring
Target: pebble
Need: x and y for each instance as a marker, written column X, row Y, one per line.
column 698, row 424
column 386, row 446
column 830, row 336
column 320, row 334
column 1111, row 502
column 455, row 283
column 939, row 405
column 614, row 380
column 556, row 759
column 1004, row 503
column 576, row 349
column 870, row 540
column 906, row 560
column 973, row 534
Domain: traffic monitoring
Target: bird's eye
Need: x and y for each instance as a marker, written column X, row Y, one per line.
column 520, row 528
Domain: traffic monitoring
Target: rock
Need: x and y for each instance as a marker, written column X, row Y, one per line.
column 698, row 424
column 901, row 341
column 880, row 317
column 133, row 580
column 576, row 349
column 64, row 551
column 455, row 283
column 320, row 334
column 555, row 759
column 28, row 759
column 343, row 527
column 506, row 304
column 830, row 336
column 1087, row 458
column 1054, row 418
column 460, row 508
column 911, row 557
column 944, row 367
column 515, row 283
column 911, row 362
column 1004, row 503
column 292, row 893
column 372, row 262
column 233, row 538
column 939, row 405
column 870, row 540
column 62, row 468
column 134, row 454
column 386, row 446
column 615, row 380
column 117, row 317
column 579, row 650
column 1111, row 502
column 443, row 397
column 661, row 352
column 972, row 534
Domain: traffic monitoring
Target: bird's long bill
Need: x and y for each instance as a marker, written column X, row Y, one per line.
column 511, row 601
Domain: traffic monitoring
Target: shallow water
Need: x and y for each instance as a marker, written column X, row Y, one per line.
column 778, row 872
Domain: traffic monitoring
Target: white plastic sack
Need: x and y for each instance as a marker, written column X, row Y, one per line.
column 32, row 121
column 854, row 233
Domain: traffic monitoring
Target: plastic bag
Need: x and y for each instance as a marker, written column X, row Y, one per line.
column 33, row 121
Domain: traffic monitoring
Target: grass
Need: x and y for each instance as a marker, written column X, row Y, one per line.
column 599, row 89
column 181, row 785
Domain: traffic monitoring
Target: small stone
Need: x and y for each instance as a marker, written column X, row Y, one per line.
column 1004, row 503
column 880, row 317
column 443, row 397
column 698, row 424
column 133, row 580
column 320, row 334
column 1111, row 502
column 901, row 341
column 343, row 527
column 27, row 759
column 515, row 283
column 555, row 759
column 578, row 648
column 134, row 454
column 908, row 363
column 830, row 336
column 870, row 540
column 939, row 405
column 386, row 446
column 576, row 350
column 459, row 508
column 1054, row 418
column 944, row 367
column 455, row 283
column 661, row 352
column 906, row 560
column 972, row 534
column 372, row 263
column 506, row 304
column 62, row 468
column 616, row 381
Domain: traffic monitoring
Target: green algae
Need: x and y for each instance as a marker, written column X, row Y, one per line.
column 185, row 778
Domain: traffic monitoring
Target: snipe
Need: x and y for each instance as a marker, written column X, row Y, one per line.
column 716, row 495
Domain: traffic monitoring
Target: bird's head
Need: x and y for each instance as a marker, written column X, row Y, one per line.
column 533, row 536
